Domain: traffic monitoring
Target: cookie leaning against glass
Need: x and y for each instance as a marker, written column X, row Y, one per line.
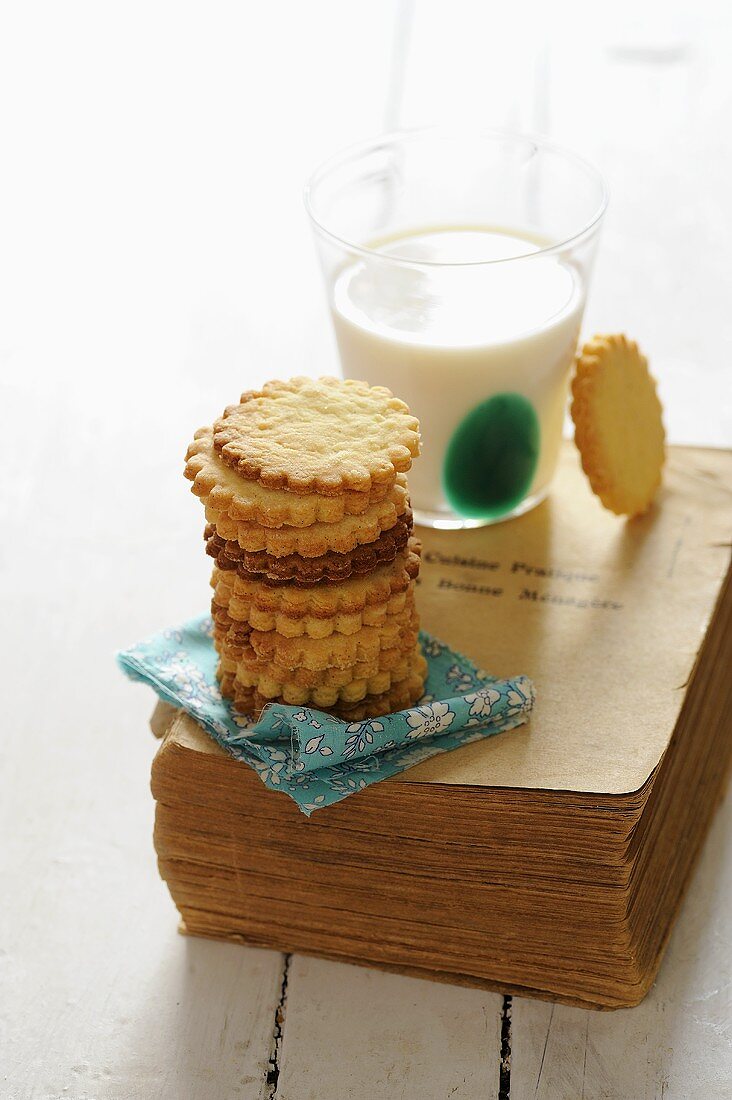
column 308, row 522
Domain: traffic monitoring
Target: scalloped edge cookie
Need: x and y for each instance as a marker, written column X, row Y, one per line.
column 323, row 688
column 223, row 622
column 330, row 568
column 337, row 650
column 325, row 435
column 245, row 613
column 320, row 538
column 386, row 660
column 248, row 673
column 618, row 424
column 241, row 499
column 401, row 695
column 325, row 600
column 327, row 694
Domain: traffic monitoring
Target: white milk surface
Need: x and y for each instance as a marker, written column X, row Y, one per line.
column 445, row 330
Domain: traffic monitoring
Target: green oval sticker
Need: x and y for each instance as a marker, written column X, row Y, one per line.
column 491, row 459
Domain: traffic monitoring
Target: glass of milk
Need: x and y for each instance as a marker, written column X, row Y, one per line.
column 457, row 267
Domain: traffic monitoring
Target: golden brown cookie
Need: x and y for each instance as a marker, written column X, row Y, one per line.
column 222, row 593
column 402, row 694
column 235, row 637
column 319, row 538
column 364, row 680
column 231, row 642
column 618, row 424
column 325, row 436
column 222, row 621
column 242, row 499
column 337, row 650
column 249, row 616
column 227, row 664
column 226, row 682
column 235, row 631
column 325, row 600
column 250, row 669
column 331, row 568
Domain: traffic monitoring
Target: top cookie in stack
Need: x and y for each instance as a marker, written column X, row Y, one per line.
column 308, row 521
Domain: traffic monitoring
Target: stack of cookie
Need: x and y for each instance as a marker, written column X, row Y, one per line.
column 309, row 525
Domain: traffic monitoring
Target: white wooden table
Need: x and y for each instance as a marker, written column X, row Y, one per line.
column 154, row 261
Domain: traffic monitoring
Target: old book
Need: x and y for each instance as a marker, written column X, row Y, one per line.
column 550, row 860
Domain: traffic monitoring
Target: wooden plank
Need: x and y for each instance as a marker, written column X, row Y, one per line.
column 100, row 998
column 677, row 1043
column 365, row 1035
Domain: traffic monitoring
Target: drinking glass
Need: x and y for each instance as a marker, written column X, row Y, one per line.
column 457, row 267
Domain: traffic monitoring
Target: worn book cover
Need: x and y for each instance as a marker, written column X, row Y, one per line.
column 605, row 615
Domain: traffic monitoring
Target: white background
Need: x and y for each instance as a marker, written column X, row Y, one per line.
column 155, row 260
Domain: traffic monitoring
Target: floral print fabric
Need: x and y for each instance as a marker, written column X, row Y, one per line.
column 317, row 759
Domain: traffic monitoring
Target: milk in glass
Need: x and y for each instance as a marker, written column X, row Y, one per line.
column 479, row 349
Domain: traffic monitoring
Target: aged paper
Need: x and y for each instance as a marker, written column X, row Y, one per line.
column 605, row 615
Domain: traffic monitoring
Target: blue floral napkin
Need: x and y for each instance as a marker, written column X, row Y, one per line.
column 317, row 759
